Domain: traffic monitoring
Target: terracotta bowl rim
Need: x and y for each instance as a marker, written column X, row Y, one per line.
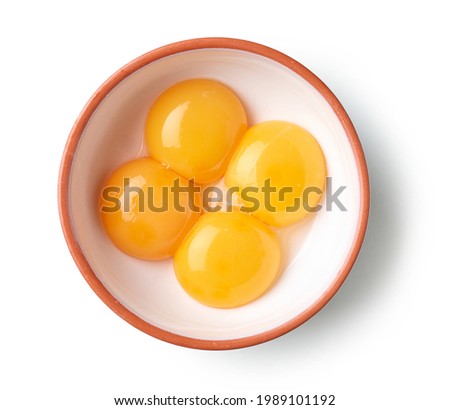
column 77, row 131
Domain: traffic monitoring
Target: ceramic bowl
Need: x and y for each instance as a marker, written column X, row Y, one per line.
column 319, row 251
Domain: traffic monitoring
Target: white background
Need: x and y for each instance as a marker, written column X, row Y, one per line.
column 382, row 342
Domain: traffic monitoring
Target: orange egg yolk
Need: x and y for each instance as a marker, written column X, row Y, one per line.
column 279, row 172
column 139, row 212
column 194, row 127
column 228, row 259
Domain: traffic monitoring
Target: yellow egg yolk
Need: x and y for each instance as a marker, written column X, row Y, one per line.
column 194, row 127
column 228, row 259
column 278, row 171
column 141, row 214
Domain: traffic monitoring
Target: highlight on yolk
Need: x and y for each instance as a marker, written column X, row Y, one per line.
column 139, row 213
column 228, row 259
column 283, row 170
column 194, row 127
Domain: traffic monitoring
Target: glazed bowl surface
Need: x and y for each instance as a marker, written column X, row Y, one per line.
column 319, row 251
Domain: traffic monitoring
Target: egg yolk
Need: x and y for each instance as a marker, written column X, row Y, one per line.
column 141, row 214
column 279, row 172
column 194, row 127
column 228, row 259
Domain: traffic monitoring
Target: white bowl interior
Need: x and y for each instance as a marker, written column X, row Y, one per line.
column 316, row 249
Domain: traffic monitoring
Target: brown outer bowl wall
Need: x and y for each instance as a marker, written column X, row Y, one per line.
column 77, row 131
